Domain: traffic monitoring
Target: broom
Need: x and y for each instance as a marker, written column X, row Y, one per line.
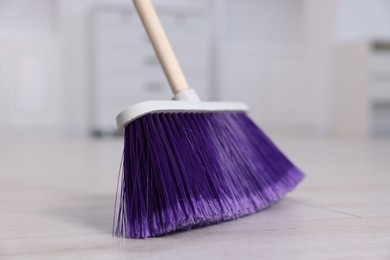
column 188, row 164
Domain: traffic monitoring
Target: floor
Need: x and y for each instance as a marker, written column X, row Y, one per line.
column 57, row 198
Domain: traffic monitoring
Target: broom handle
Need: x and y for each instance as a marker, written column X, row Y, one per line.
column 161, row 46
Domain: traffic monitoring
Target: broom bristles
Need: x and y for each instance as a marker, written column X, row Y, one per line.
column 187, row 170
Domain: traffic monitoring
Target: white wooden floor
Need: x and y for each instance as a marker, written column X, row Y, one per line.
column 57, row 197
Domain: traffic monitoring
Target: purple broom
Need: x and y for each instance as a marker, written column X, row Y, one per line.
column 189, row 164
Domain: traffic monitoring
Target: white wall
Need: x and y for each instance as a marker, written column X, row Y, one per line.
column 262, row 60
column 30, row 82
column 26, row 16
column 276, row 55
column 320, row 35
column 363, row 20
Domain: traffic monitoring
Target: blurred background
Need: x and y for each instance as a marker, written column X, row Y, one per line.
column 67, row 67
column 315, row 73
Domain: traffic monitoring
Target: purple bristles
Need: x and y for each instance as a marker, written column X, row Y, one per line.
column 187, row 170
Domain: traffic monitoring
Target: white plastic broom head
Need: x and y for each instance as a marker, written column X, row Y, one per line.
column 184, row 102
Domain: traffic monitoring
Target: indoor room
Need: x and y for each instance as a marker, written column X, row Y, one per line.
column 288, row 150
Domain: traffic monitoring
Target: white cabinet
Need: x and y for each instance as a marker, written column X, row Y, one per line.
column 125, row 69
column 362, row 89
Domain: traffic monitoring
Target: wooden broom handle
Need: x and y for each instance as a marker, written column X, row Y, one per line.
column 161, row 45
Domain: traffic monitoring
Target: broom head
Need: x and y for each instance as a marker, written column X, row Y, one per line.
column 192, row 164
